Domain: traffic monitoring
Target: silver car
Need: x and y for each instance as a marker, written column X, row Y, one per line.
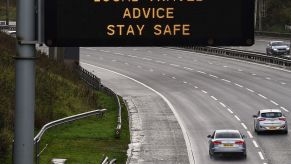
column 277, row 48
column 227, row 141
column 270, row 120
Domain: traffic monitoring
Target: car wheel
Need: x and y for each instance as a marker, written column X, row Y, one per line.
column 285, row 132
column 244, row 155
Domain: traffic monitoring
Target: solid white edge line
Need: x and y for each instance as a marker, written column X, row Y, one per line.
column 261, row 155
column 185, row 134
column 255, row 144
column 244, row 126
column 250, row 134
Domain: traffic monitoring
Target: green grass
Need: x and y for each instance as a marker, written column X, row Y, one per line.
column 87, row 140
column 12, row 13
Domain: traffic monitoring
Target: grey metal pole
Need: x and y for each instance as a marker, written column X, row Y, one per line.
column 25, row 83
column 7, row 12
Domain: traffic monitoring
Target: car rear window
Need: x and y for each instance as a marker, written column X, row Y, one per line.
column 227, row 135
column 271, row 114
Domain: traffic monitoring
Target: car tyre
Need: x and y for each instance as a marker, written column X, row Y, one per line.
column 285, row 132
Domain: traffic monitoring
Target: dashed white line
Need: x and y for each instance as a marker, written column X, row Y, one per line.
column 163, row 74
column 242, row 124
column 222, row 104
column 106, row 51
column 284, row 109
column 254, row 74
column 210, row 63
column 173, row 77
column 195, row 87
column 225, row 66
column 250, row 90
column 214, row 98
column 268, row 78
column 261, row 155
column 213, row 76
column 238, row 85
column 175, row 65
column 188, row 68
column 230, row 111
column 132, row 56
column 262, row 96
column 250, row 134
column 237, row 117
column 185, row 82
column 158, row 61
column 255, row 144
column 226, row 80
column 117, row 53
column 203, row 91
column 239, row 70
column 201, row 72
column 283, row 83
column 273, row 102
column 147, row 59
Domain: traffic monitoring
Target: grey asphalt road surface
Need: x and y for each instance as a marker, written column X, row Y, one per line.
column 208, row 93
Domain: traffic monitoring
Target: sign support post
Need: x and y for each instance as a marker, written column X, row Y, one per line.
column 25, row 83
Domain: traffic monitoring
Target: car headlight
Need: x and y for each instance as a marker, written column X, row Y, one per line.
column 275, row 49
column 287, row 48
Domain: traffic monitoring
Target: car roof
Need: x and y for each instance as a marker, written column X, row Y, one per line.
column 227, row 130
column 270, row 110
column 276, row 41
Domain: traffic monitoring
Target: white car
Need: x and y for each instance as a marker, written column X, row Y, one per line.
column 270, row 120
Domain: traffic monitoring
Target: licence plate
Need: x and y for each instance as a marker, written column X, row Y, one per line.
column 227, row 145
column 272, row 128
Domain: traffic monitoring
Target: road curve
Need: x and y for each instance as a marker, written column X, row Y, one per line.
column 208, row 93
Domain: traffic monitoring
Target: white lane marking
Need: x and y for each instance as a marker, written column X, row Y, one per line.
column 163, row 74
column 239, row 70
column 93, row 49
column 102, row 50
column 225, row 66
column 158, row 61
column 185, row 82
column 261, row 155
column 242, row 124
column 268, row 78
column 180, row 57
column 262, row 96
column 134, row 49
column 195, row 87
column 250, row 90
column 226, row 80
column 254, row 74
column 165, row 54
column 238, row 85
column 173, row 77
column 185, row 134
column 147, row 59
column 237, row 117
column 255, row 144
column 106, row 51
column 214, row 98
column 151, row 70
column 283, row 83
column 203, row 91
column 273, row 102
column 113, row 60
column 250, row 134
column 175, row 65
column 284, row 109
column 133, row 56
column 213, row 76
column 188, row 68
column 230, row 111
column 210, row 63
column 222, row 104
column 201, row 72
column 117, row 53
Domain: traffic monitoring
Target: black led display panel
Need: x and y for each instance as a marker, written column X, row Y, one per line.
column 148, row 23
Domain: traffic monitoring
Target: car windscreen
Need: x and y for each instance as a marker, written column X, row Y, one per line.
column 271, row 114
column 227, row 135
column 278, row 44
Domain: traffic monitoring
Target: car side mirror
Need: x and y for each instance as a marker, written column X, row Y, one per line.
column 255, row 116
column 209, row 136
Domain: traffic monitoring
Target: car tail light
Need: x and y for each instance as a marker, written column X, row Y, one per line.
column 216, row 142
column 261, row 119
column 239, row 142
column 282, row 119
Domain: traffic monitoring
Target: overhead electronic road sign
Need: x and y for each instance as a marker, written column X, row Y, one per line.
column 148, row 22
